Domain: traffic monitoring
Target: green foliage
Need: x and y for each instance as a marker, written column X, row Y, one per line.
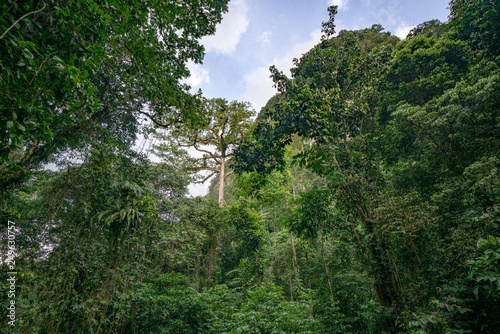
column 313, row 215
column 264, row 310
column 477, row 22
column 329, row 26
column 97, row 218
column 366, row 199
column 429, row 29
column 193, row 242
column 422, row 68
column 248, row 229
column 486, row 268
column 406, row 136
column 75, row 71
column 166, row 305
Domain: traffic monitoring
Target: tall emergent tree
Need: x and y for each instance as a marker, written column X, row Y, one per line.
column 221, row 127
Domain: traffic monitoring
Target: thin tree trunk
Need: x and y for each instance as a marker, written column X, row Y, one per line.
column 294, row 254
column 272, row 259
column 294, row 259
column 197, row 269
column 211, row 255
column 324, row 263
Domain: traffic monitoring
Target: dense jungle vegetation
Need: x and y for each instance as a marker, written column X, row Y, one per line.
column 364, row 197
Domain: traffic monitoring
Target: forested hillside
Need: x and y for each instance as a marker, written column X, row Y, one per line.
column 363, row 198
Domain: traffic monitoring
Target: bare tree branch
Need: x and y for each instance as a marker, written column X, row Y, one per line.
column 22, row 17
column 204, row 151
column 163, row 125
column 205, row 179
column 193, row 145
column 231, row 172
column 40, row 68
column 216, row 135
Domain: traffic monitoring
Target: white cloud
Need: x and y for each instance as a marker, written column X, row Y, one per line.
column 259, row 86
column 403, row 29
column 388, row 14
column 264, row 38
column 198, row 75
column 342, row 4
column 234, row 24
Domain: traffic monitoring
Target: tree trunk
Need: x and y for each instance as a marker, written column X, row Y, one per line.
column 385, row 288
column 324, row 263
column 294, row 254
column 221, row 182
column 387, row 292
column 211, row 256
column 272, row 259
column 294, row 259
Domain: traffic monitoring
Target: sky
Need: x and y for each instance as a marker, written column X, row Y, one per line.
column 256, row 34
